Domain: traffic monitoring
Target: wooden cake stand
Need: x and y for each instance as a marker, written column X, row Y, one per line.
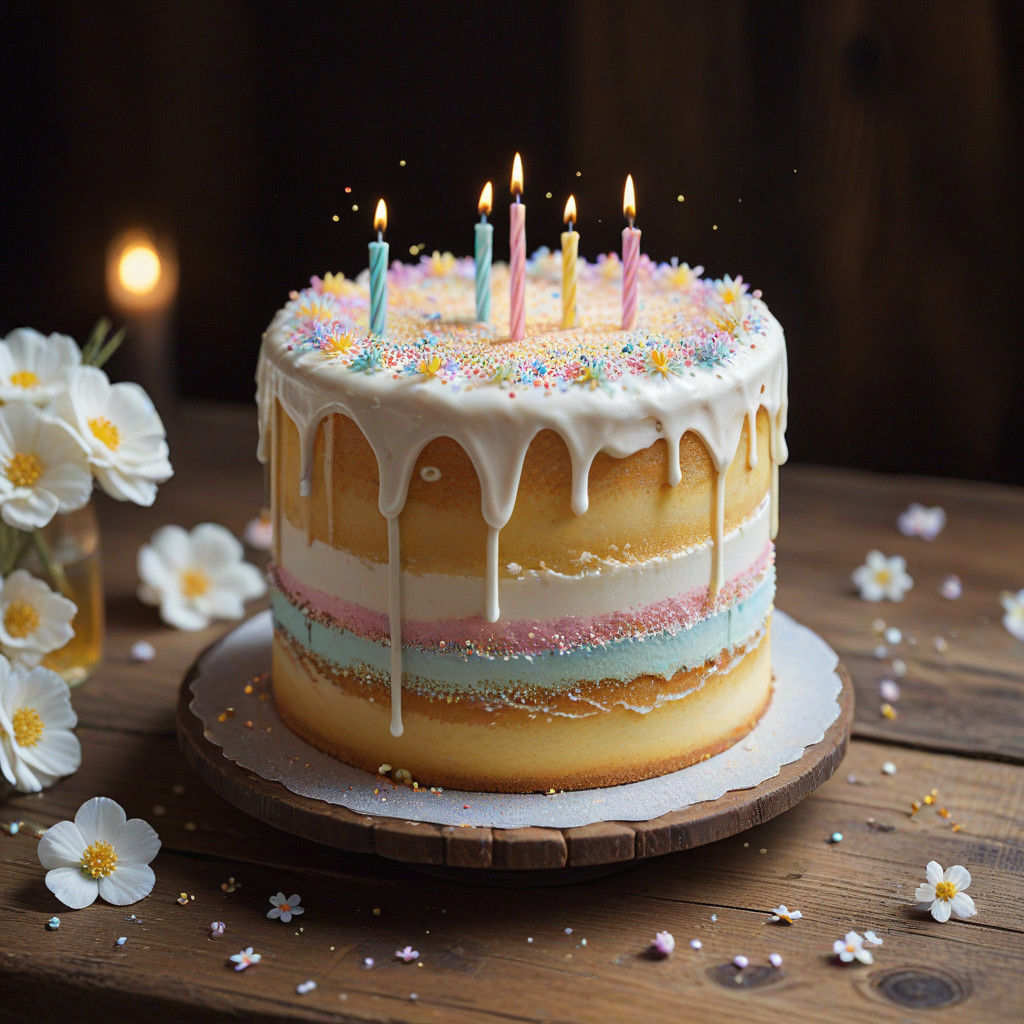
column 491, row 854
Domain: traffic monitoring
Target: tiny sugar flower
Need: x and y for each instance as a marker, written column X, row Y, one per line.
column 196, row 577
column 783, row 915
column 34, row 619
column 120, row 431
column 951, row 587
column 37, row 745
column 774, row 959
column 852, row 948
column 1013, row 607
column 943, row 892
column 741, row 961
column 918, row 521
column 100, row 853
column 217, row 929
column 882, row 578
column 43, row 470
column 664, row 943
column 259, row 532
column 284, row 909
column 33, row 367
column 407, row 955
column 245, row 958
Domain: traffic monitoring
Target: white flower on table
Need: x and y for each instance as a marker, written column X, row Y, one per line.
column 943, row 892
column 285, row 908
column 783, row 915
column 120, row 431
column 196, row 577
column 1013, row 608
column 37, row 746
column 407, row 954
column 100, row 853
column 919, row 521
column 246, row 958
column 34, row 367
column 851, row 947
column 34, row 619
column 882, row 577
column 43, row 469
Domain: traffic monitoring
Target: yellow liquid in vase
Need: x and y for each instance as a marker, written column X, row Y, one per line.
column 78, row 658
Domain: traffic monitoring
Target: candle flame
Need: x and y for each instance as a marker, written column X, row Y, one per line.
column 517, row 176
column 380, row 216
column 139, row 268
column 486, row 199
column 629, row 198
column 570, row 210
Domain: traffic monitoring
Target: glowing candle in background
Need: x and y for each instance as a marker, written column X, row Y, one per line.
column 630, row 258
column 379, row 271
column 570, row 252
column 482, row 252
column 517, row 255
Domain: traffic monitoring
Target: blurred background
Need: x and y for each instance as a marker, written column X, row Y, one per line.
column 859, row 162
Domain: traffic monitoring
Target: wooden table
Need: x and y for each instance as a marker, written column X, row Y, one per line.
column 570, row 953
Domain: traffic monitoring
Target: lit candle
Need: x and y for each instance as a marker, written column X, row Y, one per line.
column 482, row 254
column 379, row 271
column 517, row 255
column 630, row 258
column 570, row 251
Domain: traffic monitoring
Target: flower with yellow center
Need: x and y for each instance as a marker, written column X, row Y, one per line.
column 34, row 620
column 37, row 745
column 316, row 309
column 194, row 583
column 942, row 892
column 882, row 578
column 100, row 853
column 336, row 284
column 23, row 469
column 429, row 367
column 441, row 263
column 105, row 432
column 34, row 367
column 338, row 344
column 684, row 276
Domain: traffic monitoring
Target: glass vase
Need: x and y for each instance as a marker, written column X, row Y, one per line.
column 73, row 540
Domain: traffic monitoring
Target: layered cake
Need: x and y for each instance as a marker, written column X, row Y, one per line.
column 521, row 566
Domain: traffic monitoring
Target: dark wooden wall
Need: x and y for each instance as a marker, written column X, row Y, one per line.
column 860, row 162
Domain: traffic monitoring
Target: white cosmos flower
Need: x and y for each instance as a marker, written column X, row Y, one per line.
column 43, row 469
column 943, row 892
column 782, row 914
column 121, row 432
column 33, row 367
column 99, row 854
column 37, row 745
column 1013, row 606
column 34, row 619
column 197, row 577
column 882, row 578
column 851, row 947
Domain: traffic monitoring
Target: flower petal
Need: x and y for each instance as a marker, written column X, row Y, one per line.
column 925, row 893
column 100, row 818
column 962, row 905
column 178, row 613
column 933, row 872
column 128, row 884
column 137, row 844
column 940, row 910
column 73, row 888
column 61, row 846
column 959, row 876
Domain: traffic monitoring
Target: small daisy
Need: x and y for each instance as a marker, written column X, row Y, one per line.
column 120, row 431
column 196, row 577
column 918, row 521
column 34, row 619
column 43, row 470
column 407, row 955
column 37, row 746
column 664, row 943
column 284, row 909
column 943, row 892
column 100, row 853
column 1013, row 606
column 882, row 577
column 245, row 958
column 35, row 368
column 852, row 948
column 782, row 914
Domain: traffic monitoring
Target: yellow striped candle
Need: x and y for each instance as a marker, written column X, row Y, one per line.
column 570, row 256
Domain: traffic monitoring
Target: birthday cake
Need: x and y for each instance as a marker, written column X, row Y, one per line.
column 523, row 565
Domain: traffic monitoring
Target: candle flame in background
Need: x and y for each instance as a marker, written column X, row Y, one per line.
column 570, row 210
column 486, row 199
column 139, row 268
column 629, row 199
column 141, row 273
column 380, row 216
column 517, row 176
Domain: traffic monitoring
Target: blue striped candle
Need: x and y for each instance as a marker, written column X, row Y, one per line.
column 482, row 252
column 379, row 272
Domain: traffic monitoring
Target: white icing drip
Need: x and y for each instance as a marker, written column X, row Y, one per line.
column 492, row 609
column 395, row 609
column 329, row 476
column 398, row 417
column 751, row 438
column 717, row 535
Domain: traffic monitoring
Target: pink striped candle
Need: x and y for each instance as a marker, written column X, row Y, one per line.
column 517, row 255
column 630, row 259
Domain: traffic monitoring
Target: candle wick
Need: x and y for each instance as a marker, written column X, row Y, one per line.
column 380, row 236
column 517, row 197
column 483, row 218
column 630, row 219
column 571, row 227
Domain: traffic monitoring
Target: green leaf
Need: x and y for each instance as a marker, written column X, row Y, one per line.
column 109, row 348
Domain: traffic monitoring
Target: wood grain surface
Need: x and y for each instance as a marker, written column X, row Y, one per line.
column 957, row 731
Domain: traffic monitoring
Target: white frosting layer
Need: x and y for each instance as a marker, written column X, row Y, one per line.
column 602, row 587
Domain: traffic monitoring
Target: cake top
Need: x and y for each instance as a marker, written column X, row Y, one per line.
column 689, row 326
